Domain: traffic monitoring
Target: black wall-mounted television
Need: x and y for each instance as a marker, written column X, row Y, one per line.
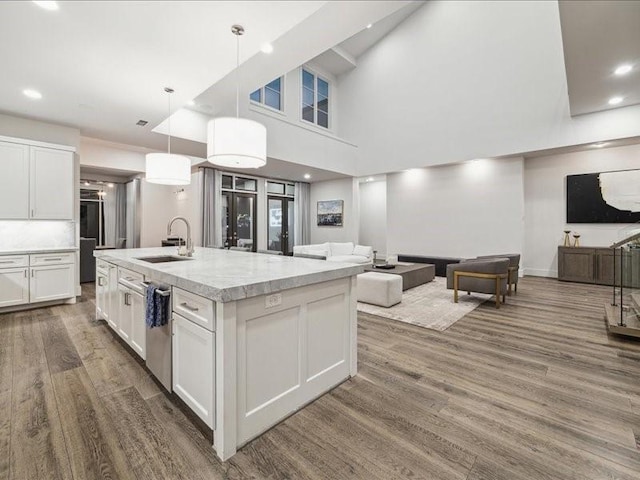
column 586, row 202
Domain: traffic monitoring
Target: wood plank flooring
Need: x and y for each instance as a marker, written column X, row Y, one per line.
column 535, row 390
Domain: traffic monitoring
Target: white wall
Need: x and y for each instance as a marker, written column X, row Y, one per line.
column 160, row 203
column 373, row 216
column 464, row 80
column 19, row 127
column 545, row 203
column 122, row 158
column 463, row 210
column 290, row 138
column 343, row 189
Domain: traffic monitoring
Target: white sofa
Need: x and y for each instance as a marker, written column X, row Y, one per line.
column 336, row 252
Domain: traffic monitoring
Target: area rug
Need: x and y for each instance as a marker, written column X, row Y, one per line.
column 429, row 306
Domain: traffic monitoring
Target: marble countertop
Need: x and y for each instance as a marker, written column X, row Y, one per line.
column 227, row 275
column 25, row 251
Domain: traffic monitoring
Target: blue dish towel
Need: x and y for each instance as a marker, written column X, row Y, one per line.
column 156, row 309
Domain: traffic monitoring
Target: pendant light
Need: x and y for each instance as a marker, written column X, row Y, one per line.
column 233, row 141
column 168, row 168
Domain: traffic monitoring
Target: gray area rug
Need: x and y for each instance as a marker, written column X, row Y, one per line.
column 429, row 306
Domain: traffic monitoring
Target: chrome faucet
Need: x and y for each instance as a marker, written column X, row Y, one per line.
column 189, row 243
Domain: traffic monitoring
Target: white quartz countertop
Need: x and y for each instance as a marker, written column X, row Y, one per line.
column 227, row 275
column 25, row 251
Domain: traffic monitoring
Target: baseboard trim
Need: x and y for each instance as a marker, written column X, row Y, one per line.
column 540, row 272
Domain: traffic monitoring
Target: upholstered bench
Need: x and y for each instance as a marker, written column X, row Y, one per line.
column 379, row 289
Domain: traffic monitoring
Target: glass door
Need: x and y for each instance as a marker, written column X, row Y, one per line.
column 280, row 220
column 239, row 220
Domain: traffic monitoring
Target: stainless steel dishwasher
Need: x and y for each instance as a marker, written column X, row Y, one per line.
column 159, row 344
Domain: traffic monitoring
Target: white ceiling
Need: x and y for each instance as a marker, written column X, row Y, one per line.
column 102, row 66
column 343, row 57
column 281, row 170
column 598, row 36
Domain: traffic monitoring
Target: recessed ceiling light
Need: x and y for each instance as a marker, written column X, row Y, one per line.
column 110, row 185
column 623, row 69
column 307, row 176
column 267, row 48
column 141, row 123
column 47, row 5
column 36, row 95
column 370, row 25
column 615, row 100
column 599, row 144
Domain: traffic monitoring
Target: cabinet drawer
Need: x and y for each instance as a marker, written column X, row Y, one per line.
column 129, row 275
column 102, row 265
column 62, row 258
column 198, row 309
column 12, row 261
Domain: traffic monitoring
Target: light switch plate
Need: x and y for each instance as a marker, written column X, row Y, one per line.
column 273, row 300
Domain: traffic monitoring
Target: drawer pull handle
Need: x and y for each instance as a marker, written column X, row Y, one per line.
column 53, row 259
column 7, row 261
column 189, row 307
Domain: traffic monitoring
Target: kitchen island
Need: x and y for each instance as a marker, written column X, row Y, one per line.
column 253, row 337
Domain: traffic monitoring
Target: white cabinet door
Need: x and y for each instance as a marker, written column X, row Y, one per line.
column 52, row 283
column 14, row 286
column 193, row 367
column 125, row 313
column 52, row 184
column 14, row 181
column 138, row 325
column 110, row 310
column 102, row 280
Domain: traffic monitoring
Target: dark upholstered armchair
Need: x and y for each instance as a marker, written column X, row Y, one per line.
column 514, row 268
column 479, row 275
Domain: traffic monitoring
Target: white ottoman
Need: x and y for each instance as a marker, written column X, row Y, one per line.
column 380, row 289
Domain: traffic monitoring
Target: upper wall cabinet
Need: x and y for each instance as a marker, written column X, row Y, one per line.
column 14, row 181
column 51, row 184
column 36, row 182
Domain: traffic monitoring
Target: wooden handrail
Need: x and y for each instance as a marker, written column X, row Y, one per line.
column 633, row 237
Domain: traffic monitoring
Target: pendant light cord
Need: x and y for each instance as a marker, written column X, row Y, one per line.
column 237, row 76
column 169, row 125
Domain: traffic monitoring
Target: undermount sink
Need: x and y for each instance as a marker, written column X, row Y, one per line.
column 163, row 259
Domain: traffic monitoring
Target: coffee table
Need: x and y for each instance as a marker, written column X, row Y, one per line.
column 412, row 274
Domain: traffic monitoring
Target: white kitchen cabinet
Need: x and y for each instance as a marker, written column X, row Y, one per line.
column 14, row 286
column 138, row 339
column 193, row 366
column 102, row 290
column 125, row 313
column 51, row 184
column 110, row 309
column 52, row 282
column 14, row 181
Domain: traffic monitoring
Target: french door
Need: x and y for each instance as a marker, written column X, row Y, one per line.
column 280, row 215
column 239, row 220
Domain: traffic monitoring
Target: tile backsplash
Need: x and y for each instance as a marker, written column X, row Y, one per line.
column 18, row 234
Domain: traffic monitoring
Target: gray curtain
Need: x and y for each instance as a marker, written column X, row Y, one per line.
column 212, row 208
column 302, row 225
column 109, row 224
column 132, row 215
column 120, row 194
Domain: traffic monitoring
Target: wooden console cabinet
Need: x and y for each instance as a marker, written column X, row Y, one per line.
column 587, row 265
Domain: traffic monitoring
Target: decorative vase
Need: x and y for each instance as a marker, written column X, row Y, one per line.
column 567, row 240
column 576, row 240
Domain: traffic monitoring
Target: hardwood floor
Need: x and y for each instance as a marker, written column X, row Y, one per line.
column 535, row 390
